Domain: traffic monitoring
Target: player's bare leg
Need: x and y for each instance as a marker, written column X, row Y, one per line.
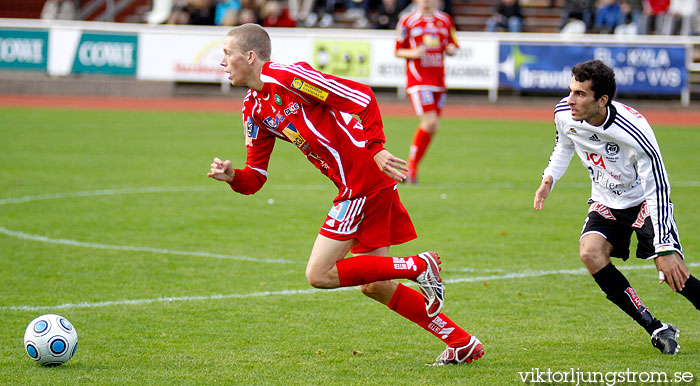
column 595, row 253
column 328, row 268
column 321, row 270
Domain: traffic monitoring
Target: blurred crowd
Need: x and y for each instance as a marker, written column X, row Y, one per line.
column 628, row 17
column 380, row 14
column 622, row 17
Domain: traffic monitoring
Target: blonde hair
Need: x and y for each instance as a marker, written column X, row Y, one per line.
column 252, row 37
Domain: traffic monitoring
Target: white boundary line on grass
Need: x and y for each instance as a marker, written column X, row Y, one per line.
column 23, row 199
column 130, row 248
column 514, row 275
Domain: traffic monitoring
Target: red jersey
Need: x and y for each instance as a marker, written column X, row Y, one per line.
column 317, row 113
column 434, row 32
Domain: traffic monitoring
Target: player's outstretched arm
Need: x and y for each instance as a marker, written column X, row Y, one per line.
column 393, row 167
column 543, row 192
column 221, row 170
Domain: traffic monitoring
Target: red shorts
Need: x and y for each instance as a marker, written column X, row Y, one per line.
column 424, row 101
column 375, row 221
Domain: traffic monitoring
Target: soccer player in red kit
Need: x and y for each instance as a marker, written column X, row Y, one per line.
column 424, row 37
column 318, row 113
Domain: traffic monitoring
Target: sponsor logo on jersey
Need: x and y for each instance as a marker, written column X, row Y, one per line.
column 611, row 148
column 597, row 159
column 431, row 41
column 291, row 109
column 594, row 138
column 251, row 129
column 292, row 133
column 273, row 123
column 310, row 89
column 402, row 33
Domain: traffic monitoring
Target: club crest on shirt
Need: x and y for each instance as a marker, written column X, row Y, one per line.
column 611, row 148
column 310, row 89
column 278, row 100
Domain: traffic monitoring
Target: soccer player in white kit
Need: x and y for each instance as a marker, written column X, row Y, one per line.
column 630, row 193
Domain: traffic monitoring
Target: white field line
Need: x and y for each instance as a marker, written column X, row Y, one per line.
column 111, row 192
column 5, row 231
column 129, row 248
column 309, row 291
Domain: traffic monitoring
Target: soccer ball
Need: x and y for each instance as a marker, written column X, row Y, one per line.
column 50, row 340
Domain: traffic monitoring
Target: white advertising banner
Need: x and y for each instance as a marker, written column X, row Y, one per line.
column 368, row 59
column 180, row 57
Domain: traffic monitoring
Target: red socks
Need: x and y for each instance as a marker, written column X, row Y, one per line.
column 366, row 269
column 409, row 303
column 421, row 141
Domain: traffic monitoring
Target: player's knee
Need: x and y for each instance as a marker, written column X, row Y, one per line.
column 317, row 279
column 430, row 126
column 593, row 259
column 370, row 290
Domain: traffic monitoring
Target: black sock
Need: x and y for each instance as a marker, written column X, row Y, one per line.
column 619, row 291
column 692, row 291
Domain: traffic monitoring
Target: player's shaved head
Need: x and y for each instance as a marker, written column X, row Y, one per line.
column 252, row 37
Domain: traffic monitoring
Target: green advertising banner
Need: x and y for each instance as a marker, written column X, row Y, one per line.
column 342, row 58
column 23, row 49
column 106, row 53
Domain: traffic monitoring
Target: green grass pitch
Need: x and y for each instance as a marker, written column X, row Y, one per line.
column 108, row 219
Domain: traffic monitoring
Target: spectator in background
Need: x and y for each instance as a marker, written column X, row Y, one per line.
column 227, row 12
column 577, row 16
column 193, row 12
column 608, row 16
column 300, row 10
column 383, row 14
column 273, row 15
column 632, row 11
column 508, row 17
column 247, row 15
column 654, row 14
column 58, row 10
column 628, row 24
column 680, row 17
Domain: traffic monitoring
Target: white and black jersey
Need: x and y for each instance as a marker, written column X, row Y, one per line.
column 624, row 163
